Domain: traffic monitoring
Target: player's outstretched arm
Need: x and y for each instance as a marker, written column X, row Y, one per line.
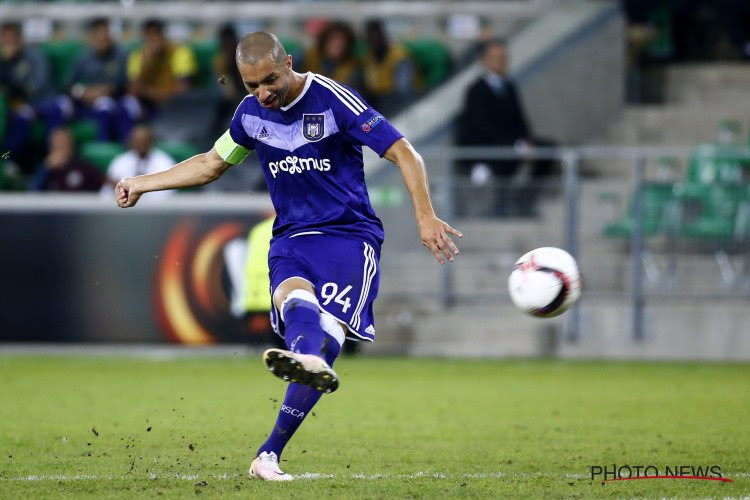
column 432, row 231
column 196, row 171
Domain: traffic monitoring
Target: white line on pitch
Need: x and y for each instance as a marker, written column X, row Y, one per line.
column 313, row 476
column 224, row 477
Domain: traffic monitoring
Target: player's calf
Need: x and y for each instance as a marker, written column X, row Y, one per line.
column 302, row 330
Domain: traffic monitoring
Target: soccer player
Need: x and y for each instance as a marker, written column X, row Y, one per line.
column 308, row 132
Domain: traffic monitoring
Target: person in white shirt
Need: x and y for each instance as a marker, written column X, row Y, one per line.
column 141, row 158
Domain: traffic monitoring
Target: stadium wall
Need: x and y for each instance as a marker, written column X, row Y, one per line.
column 687, row 329
column 76, row 268
column 694, row 329
column 575, row 86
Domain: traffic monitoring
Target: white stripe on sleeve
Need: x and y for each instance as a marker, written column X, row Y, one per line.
column 341, row 98
column 348, row 93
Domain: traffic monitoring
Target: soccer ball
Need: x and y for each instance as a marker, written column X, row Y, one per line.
column 545, row 282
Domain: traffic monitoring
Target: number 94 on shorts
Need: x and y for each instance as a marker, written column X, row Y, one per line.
column 343, row 271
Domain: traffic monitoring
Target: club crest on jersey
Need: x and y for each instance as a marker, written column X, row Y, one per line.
column 313, row 126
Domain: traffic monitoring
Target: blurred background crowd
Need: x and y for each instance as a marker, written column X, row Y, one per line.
column 81, row 107
column 79, row 112
column 75, row 98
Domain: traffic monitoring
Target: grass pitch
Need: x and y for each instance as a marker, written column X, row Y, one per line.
column 123, row 427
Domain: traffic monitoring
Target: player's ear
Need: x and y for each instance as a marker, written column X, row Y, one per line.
column 288, row 62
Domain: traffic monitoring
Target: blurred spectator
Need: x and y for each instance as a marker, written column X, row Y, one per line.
column 63, row 170
column 333, row 55
column 388, row 71
column 141, row 158
column 98, row 82
column 160, row 70
column 26, row 84
column 493, row 115
column 225, row 69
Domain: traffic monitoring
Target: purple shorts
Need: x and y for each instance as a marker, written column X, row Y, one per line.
column 343, row 271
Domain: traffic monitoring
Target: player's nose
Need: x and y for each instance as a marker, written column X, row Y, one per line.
column 263, row 93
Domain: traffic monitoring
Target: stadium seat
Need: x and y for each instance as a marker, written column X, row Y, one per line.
column 716, row 219
column 718, row 164
column 179, row 151
column 709, row 212
column 101, row 153
column 205, row 51
column 61, row 55
column 83, row 131
column 38, row 135
column 9, row 179
column 658, row 197
column 293, row 47
column 431, row 59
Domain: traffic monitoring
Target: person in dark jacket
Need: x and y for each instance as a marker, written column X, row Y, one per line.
column 97, row 84
column 63, row 170
column 493, row 115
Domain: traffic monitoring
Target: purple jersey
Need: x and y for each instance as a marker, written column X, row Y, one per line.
column 311, row 152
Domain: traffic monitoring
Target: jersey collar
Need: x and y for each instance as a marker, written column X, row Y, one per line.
column 308, row 81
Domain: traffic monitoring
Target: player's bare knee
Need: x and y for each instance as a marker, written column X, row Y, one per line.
column 288, row 287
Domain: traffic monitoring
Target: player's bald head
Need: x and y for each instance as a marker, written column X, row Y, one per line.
column 256, row 47
column 266, row 70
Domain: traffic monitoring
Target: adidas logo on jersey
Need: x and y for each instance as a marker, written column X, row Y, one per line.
column 263, row 134
column 370, row 329
column 296, row 165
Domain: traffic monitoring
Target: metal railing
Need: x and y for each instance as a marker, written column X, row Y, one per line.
column 681, row 228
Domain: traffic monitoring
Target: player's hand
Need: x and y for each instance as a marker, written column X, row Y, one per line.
column 434, row 235
column 126, row 193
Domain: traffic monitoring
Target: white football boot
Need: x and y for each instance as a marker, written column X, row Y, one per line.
column 305, row 369
column 266, row 467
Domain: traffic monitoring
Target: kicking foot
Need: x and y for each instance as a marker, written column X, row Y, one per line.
column 266, row 467
column 305, row 369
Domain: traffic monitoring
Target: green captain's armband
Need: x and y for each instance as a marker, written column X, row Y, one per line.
column 229, row 150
